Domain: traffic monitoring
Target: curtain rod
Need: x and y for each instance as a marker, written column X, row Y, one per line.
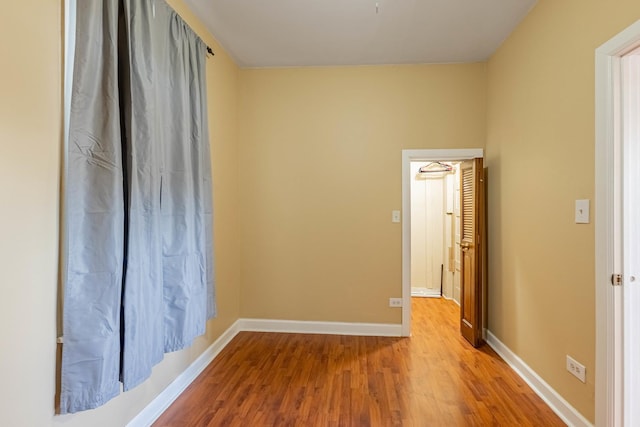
column 210, row 51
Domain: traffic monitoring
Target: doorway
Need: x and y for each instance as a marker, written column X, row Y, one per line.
column 435, row 230
column 617, row 229
column 417, row 156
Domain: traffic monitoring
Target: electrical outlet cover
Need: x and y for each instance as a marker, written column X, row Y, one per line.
column 576, row 369
column 395, row 302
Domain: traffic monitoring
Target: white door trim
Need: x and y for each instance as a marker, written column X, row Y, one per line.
column 609, row 313
column 407, row 157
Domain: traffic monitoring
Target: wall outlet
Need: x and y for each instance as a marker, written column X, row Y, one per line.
column 577, row 369
column 395, row 302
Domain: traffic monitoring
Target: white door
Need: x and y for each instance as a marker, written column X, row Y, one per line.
column 618, row 230
column 631, row 234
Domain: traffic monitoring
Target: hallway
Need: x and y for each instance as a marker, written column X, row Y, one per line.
column 434, row 378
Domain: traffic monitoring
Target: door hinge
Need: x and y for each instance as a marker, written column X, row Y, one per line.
column 616, row 279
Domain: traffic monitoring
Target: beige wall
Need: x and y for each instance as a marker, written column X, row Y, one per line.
column 540, row 155
column 30, row 167
column 320, row 153
column 306, row 171
column 30, row 127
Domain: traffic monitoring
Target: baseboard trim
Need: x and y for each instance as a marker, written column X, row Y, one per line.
column 160, row 404
column 557, row 403
column 328, row 328
column 451, row 299
column 425, row 293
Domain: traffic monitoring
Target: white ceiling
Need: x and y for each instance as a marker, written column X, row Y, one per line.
column 281, row 33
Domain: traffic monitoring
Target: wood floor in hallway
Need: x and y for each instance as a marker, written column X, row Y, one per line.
column 434, row 378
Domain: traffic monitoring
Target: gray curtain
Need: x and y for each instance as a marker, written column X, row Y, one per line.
column 139, row 267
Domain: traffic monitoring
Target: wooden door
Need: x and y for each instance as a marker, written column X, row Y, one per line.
column 472, row 242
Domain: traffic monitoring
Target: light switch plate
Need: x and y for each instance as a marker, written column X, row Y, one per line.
column 395, row 216
column 582, row 211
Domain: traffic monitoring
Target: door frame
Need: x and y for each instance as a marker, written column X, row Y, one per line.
column 409, row 156
column 610, row 316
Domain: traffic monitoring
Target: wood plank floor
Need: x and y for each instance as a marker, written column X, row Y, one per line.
column 433, row 378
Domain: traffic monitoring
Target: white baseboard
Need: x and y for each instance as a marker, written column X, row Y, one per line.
column 451, row 299
column 328, row 328
column 557, row 403
column 160, row 404
column 425, row 293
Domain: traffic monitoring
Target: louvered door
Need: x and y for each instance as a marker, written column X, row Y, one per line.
column 472, row 239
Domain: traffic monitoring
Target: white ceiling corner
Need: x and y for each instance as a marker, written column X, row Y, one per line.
column 284, row 33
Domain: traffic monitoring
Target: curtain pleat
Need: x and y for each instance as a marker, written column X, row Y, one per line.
column 140, row 278
column 142, row 293
column 94, row 216
column 186, row 189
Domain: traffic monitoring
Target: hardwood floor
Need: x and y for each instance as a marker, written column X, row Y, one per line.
column 434, row 378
